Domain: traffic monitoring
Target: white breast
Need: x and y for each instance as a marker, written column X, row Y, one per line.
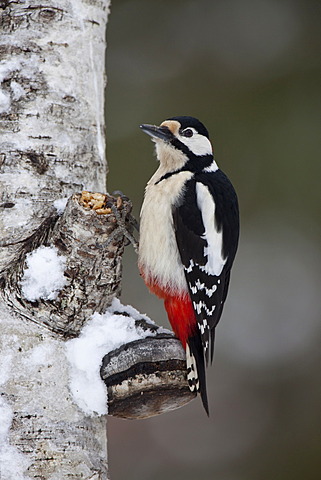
column 158, row 253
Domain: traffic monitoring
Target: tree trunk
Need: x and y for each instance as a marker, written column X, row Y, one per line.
column 53, row 147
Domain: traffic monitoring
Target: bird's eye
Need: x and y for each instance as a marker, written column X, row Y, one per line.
column 187, row 133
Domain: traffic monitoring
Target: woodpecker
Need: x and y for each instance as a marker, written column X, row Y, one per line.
column 189, row 230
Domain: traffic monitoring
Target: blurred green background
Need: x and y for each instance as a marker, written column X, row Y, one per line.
column 250, row 70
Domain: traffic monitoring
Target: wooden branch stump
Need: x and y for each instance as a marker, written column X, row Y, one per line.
column 93, row 263
column 146, row 377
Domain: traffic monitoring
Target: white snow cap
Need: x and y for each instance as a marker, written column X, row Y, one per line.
column 60, row 204
column 102, row 334
column 44, row 275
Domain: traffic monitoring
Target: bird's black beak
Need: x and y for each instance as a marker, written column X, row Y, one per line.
column 154, row 131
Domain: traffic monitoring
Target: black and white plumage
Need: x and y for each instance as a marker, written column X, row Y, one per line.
column 188, row 237
column 207, row 247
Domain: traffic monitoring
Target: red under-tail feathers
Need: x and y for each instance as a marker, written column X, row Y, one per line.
column 182, row 318
column 180, row 311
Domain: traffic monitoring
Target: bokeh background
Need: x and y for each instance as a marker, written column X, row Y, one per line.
column 250, row 70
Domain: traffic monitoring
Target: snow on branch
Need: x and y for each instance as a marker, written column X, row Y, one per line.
column 101, row 335
column 142, row 365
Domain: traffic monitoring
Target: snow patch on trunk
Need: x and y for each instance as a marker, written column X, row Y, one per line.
column 44, row 275
column 102, row 334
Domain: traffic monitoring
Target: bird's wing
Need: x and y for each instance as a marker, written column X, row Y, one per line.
column 200, row 244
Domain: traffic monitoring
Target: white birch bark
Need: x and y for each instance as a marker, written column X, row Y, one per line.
column 52, row 106
column 52, row 145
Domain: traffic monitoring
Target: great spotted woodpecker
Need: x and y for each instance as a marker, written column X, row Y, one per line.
column 189, row 234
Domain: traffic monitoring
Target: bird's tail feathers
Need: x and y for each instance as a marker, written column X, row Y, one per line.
column 196, row 368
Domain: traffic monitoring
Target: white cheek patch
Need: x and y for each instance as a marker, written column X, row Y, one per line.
column 198, row 144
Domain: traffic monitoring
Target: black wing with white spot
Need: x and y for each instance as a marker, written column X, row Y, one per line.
column 207, row 228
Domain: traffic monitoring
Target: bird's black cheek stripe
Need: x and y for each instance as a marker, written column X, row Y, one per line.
column 170, row 174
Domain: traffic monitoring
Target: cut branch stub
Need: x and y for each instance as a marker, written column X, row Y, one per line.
column 88, row 235
column 146, row 377
column 85, row 235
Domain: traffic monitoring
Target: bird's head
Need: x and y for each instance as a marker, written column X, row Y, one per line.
column 182, row 142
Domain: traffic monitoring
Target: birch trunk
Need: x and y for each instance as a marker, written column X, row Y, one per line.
column 52, row 145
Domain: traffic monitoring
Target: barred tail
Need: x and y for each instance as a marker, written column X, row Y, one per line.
column 196, row 368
